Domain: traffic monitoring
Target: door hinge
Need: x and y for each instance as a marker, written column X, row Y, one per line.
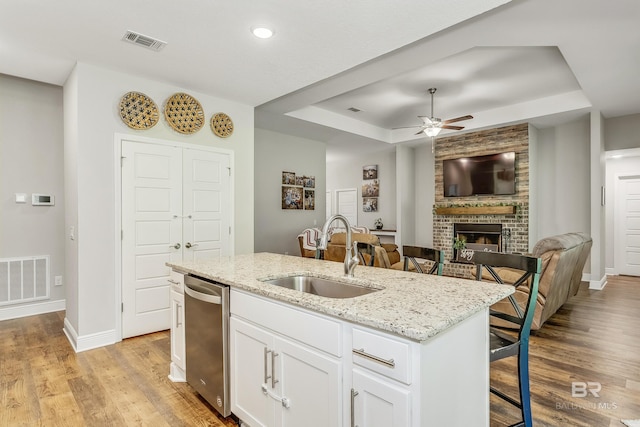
column 121, row 234
column 122, row 307
column 229, row 229
column 229, row 169
column 122, row 160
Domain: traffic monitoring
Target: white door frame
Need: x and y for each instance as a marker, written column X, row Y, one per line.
column 618, row 236
column 117, row 202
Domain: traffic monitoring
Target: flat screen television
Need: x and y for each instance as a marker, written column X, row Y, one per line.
column 493, row 174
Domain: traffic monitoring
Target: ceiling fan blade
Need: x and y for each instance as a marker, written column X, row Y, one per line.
column 458, row 119
column 428, row 120
column 452, row 127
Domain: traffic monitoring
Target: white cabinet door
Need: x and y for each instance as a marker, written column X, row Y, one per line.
column 276, row 382
column 379, row 402
column 310, row 384
column 250, row 369
column 177, row 330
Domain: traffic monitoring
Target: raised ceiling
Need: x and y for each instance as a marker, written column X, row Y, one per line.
column 501, row 61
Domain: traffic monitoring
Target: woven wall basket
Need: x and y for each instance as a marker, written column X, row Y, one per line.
column 184, row 113
column 138, row 111
column 221, row 125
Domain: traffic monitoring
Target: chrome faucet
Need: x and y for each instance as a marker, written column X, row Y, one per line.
column 351, row 253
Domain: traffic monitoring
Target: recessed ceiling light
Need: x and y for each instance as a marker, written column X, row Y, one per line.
column 262, row 32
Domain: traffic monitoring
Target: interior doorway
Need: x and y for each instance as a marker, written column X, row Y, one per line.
column 347, row 204
column 175, row 206
column 627, row 225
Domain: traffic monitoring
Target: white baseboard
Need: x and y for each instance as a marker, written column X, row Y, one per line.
column 16, row 312
column 609, row 271
column 598, row 284
column 87, row 342
column 176, row 374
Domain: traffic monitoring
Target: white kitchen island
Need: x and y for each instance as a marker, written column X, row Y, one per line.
column 413, row 353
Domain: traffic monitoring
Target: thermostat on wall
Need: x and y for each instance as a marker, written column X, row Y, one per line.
column 42, row 200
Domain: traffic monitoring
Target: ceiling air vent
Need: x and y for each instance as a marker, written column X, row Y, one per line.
column 144, row 41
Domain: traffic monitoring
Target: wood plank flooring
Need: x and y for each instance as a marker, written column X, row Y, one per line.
column 595, row 337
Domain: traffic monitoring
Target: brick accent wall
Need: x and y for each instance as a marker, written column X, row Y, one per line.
column 492, row 141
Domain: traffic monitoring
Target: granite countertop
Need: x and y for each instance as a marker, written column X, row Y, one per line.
column 412, row 305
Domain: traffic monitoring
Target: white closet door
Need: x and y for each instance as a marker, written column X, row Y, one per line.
column 152, row 233
column 347, row 205
column 627, row 227
column 206, row 198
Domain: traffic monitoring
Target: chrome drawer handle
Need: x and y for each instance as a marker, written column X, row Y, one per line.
column 360, row 352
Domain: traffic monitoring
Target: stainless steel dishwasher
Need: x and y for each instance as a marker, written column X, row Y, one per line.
column 207, row 340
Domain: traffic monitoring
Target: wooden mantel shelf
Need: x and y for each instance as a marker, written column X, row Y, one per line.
column 476, row 210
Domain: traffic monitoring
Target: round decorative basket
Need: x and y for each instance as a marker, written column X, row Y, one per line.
column 138, row 111
column 221, row 125
column 184, row 113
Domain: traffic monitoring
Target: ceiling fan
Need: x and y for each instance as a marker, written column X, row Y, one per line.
column 433, row 125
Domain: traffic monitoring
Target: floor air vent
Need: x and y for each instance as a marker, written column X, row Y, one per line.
column 24, row 279
column 144, row 41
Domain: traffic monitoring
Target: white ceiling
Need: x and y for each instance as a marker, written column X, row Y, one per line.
column 502, row 61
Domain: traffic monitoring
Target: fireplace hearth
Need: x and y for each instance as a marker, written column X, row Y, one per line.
column 478, row 237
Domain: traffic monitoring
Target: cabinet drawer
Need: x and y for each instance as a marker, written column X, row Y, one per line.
column 176, row 280
column 382, row 354
column 308, row 328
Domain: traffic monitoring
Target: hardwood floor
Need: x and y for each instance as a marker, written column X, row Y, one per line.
column 595, row 337
column 44, row 383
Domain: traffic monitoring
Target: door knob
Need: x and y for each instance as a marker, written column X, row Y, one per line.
column 189, row 245
column 176, row 246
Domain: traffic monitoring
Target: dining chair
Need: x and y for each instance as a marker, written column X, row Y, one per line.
column 413, row 253
column 504, row 344
column 366, row 249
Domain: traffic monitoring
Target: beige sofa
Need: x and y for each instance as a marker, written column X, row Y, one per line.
column 563, row 260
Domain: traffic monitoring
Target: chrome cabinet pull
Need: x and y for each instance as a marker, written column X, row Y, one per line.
column 360, row 352
column 274, row 381
column 353, row 410
column 178, row 323
column 266, row 374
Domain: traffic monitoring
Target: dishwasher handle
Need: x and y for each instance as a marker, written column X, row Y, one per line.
column 205, row 292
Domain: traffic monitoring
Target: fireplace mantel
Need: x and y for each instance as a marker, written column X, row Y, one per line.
column 476, row 210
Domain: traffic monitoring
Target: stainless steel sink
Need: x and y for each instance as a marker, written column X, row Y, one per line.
column 320, row 286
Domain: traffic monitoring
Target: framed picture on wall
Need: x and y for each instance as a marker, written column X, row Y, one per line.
column 288, row 178
column 309, row 200
column 370, row 204
column 291, row 197
column 309, row 181
column 370, row 172
column 371, row 188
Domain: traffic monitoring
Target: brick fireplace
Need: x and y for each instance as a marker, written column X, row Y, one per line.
column 509, row 227
column 478, row 237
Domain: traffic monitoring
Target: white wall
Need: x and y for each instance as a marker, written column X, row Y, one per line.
column 425, row 198
column 347, row 173
column 563, row 179
column 622, row 132
column 90, row 126
column 31, row 161
column 276, row 229
column 406, row 195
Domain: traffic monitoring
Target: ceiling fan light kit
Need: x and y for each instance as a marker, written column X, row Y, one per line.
column 432, row 126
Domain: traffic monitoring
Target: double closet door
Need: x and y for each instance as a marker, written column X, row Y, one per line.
column 175, row 207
